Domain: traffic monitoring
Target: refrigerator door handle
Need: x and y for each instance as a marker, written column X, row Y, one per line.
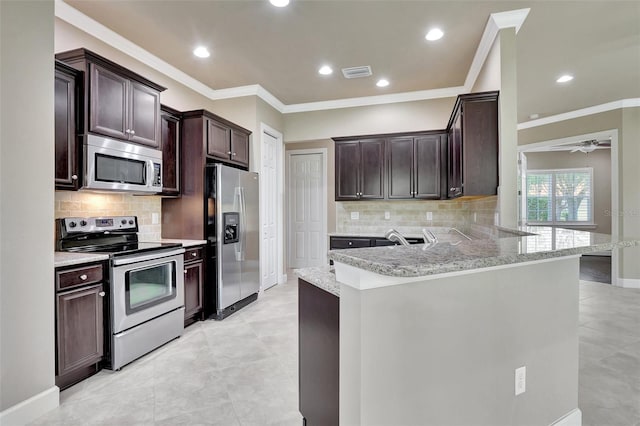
column 243, row 224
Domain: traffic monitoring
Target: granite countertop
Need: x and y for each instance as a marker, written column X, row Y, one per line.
column 185, row 243
column 64, row 258
column 444, row 257
column 322, row 277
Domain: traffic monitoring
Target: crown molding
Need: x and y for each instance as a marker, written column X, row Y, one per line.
column 609, row 106
column 375, row 100
column 92, row 27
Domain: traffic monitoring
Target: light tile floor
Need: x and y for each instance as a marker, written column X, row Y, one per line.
column 243, row 370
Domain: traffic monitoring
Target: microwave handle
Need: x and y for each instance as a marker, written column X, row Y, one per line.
column 150, row 173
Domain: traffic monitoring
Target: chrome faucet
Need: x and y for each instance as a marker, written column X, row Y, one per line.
column 429, row 237
column 395, row 236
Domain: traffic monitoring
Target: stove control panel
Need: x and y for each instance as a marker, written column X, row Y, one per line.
column 99, row 224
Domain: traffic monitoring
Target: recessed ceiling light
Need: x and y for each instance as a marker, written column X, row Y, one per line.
column 279, row 3
column 382, row 83
column 564, row 78
column 201, row 52
column 325, row 70
column 434, row 34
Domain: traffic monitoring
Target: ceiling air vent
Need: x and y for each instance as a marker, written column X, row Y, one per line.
column 357, row 72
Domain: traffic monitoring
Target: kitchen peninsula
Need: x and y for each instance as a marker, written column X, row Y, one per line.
column 433, row 335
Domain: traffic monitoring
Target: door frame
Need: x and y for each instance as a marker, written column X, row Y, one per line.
column 324, row 154
column 615, row 183
column 266, row 129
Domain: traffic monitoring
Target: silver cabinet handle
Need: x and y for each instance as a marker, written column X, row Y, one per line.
column 74, row 177
column 185, row 271
column 453, row 189
column 233, row 153
column 350, row 243
column 101, row 294
column 194, row 254
column 83, row 277
column 133, row 132
column 128, row 131
column 229, row 152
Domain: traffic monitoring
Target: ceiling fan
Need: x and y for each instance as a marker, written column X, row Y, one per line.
column 584, row 146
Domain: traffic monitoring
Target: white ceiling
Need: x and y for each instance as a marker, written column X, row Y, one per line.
column 253, row 42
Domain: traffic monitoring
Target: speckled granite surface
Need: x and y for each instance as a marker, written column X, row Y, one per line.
column 322, row 277
column 413, row 261
column 63, row 258
column 185, row 243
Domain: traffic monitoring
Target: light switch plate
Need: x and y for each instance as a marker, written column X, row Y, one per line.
column 355, row 215
column 429, row 215
column 387, row 215
column 155, row 218
column 521, row 380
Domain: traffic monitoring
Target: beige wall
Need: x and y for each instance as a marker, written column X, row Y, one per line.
column 600, row 161
column 430, row 114
column 26, row 221
column 489, row 76
column 628, row 209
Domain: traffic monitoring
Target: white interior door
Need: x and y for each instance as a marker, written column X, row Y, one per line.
column 307, row 210
column 269, row 182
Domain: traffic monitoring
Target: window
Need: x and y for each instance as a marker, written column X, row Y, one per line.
column 560, row 197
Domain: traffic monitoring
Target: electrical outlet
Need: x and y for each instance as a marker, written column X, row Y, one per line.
column 475, row 217
column 429, row 215
column 387, row 215
column 155, row 218
column 355, row 215
column 521, row 380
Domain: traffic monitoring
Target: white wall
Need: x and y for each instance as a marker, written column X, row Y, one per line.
column 26, row 221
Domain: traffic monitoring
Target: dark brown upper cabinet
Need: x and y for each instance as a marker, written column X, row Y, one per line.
column 227, row 141
column 68, row 85
column 170, row 128
column 359, row 169
column 118, row 102
column 415, row 166
column 473, row 145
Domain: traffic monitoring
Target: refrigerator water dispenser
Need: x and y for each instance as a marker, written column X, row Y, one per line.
column 231, row 227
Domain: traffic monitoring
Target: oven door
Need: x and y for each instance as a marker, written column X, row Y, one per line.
column 145, row 287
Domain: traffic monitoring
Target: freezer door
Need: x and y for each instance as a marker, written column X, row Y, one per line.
column 249, row 233
column 229, row 265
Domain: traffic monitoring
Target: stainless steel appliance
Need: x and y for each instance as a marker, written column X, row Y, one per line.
column 119, row 166
column 233, row 227
column 146, row 283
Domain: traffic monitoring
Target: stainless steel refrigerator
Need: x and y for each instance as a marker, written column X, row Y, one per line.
column 233, row 228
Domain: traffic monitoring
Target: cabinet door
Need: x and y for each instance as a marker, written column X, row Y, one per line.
column 79, row 328
column 170, row 137
column 144, row 125
column 372, row 169
column 239, row 148
column 66, row 154
column 427, row 167
column 454, row 177
column 108, row 112
column 193, row 283
column 347, row 164
column 218, row 140
column 480, row 147
column 400, row 158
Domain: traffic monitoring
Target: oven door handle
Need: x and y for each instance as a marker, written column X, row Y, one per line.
column 126, row 260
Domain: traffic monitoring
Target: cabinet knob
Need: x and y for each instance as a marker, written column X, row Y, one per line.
column 83, row 277
column 233, row 153
column 74, row 177
column 185, row 271
column 453, row 189
column 350, row 243
column 229, row 152
column 127, row 131
column 101, row 294
column 194, row 254
column 133, row 132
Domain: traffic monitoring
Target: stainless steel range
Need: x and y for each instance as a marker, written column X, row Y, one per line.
column 146, row 283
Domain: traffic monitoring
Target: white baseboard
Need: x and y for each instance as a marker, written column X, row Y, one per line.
column 573, row 418
column 30, row 409
column 628, row 282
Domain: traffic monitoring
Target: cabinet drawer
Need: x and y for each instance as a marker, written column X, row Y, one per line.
column 345, row 243
column 192, row 254
column 78, row 276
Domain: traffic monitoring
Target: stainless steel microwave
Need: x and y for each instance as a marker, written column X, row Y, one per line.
column 120, row 166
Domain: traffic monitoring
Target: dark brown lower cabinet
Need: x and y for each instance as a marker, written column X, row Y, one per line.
column 193, row 284
column 80, row 333
column 319, row 355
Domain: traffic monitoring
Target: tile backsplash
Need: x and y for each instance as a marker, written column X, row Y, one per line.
column 85, row 204
column 409, row 216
